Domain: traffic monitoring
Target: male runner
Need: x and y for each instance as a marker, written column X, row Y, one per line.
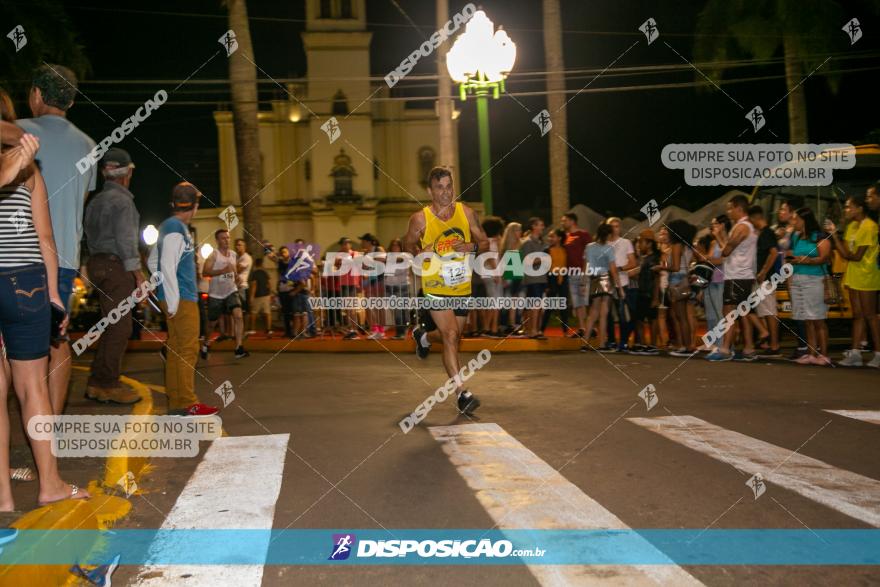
column 450, row 230
column 223, row 297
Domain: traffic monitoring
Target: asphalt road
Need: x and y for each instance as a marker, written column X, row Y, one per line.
column 348, row 465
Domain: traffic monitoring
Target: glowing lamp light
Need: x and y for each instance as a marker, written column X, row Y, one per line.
column 150, row 235
column 206, row 250
column 481, row 52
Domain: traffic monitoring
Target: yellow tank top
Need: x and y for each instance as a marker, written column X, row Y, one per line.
column 447, row 273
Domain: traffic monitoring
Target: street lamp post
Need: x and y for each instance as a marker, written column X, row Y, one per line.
column 479, row 61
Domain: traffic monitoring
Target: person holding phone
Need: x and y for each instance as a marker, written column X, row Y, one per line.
column 862, row 278
column 28, row 285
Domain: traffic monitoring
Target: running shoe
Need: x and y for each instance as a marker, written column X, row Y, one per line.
column 875, row 362
column 350, row 335
column 682, row 352
column 240, row 353
column 769, row 354
column 851, row 358
column 650, row 350
column 608, row 348
column 718, row 356
column 194, row 410
column 587, row 348
column 423, row 346
column 203, row 351
column 467, row 403
column 745, row 357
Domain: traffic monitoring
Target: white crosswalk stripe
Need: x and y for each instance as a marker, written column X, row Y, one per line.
column 847, row 492
column 871, row 416
column 519, row 490
column 240, row 475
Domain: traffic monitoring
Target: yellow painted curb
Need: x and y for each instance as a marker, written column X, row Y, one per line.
column 99, row 512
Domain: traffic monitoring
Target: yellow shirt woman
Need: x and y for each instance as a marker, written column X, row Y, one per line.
column 862, row 275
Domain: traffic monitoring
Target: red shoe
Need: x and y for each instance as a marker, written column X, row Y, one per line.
column 196, row 410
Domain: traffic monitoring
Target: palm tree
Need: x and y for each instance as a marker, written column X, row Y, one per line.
column 243, row 79
column 51, row 38
column 559, row 202
column 801, row 29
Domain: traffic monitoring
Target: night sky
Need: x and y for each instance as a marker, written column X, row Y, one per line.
column 621, row 132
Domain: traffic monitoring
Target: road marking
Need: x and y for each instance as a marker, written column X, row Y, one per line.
column 841, row 490
column 871, row 416
column 240, row 475
column 519, row 490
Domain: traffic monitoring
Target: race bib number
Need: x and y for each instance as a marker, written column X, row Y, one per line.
column 453, row 273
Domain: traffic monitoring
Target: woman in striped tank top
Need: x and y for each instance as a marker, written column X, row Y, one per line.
column 28, row 284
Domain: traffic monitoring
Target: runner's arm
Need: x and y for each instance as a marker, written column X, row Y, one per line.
column 477, row 235
column 414, row 232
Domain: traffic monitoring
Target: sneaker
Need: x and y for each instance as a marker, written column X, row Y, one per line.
column 608, row 348
column 423, row 345
column 587, row 348
column 203, row 351
column 375, row 335
column 805, row 360
column 820, row 360
column 745, row 357
column 851, row 358
column 195, row 410
column 769, row 354
column 636, row 349
column 116, row 395
column 797, row 354
column 650, row 350
column 682, row 352
column 467, row 403
column 718, row 356
column 350, row 335
column 875, row 362
column 240, row 353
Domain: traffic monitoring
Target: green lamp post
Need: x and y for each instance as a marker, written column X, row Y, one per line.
column 479, row 61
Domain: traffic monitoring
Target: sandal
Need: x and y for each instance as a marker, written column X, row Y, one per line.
column 74, row 494
column 22, row 474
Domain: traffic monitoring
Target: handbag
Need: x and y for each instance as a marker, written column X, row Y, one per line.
column 680, row 291
column 831, row 288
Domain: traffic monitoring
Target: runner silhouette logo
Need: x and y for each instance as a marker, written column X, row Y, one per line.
column 342, row 547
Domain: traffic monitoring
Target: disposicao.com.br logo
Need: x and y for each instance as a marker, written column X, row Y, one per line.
column 344, row 545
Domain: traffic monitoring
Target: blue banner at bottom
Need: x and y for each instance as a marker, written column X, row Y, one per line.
column 444, row 547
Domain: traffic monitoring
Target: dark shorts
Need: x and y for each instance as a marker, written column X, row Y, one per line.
column 65, row 285
column 243, row 296
column 301, row 303
column 535, row 290
column 25, row 318
column 644, row 311
column 218, row 307
column 736, row 291
column 425, row 315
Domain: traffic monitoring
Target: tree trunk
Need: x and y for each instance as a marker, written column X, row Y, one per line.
column 243, row 79
column 797, row 100
column 559, row 201
column 444, row 88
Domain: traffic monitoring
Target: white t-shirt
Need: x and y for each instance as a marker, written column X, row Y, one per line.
column 623, row 248
column 223, row 285
column 246, row 263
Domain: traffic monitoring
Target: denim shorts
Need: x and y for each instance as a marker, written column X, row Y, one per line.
column 25, row 318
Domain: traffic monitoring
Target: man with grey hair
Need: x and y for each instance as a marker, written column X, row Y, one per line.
column 62, row 144
column 114, row 269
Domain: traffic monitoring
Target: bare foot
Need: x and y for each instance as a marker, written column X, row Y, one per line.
column 62, row 492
